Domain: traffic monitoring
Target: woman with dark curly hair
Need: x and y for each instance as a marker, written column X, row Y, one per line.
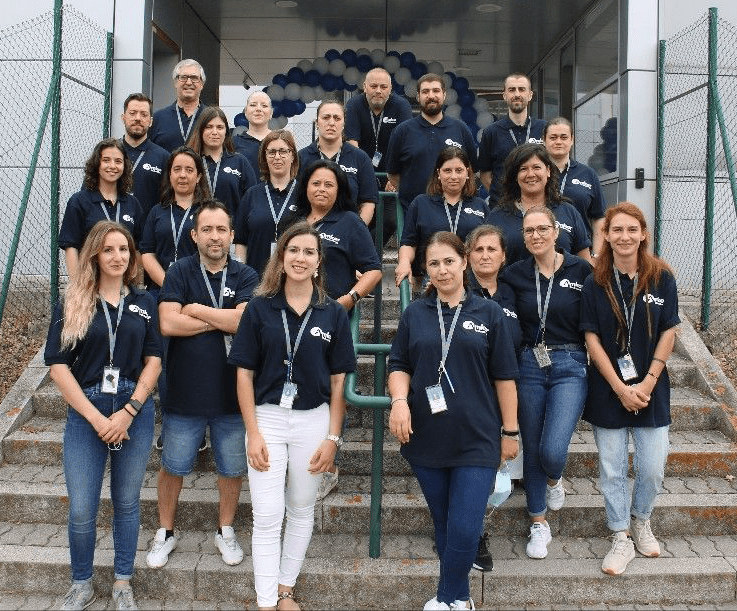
column 531, row 179
column 105, row 196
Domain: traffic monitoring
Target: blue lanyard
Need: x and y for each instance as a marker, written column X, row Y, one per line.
column 177, row 234
column 292, row 353
column 214, row 182
column 445, row 341
column 117, row 211
column 216, row 303
column 453, row 227
column 629, row 314
column 527, row 137
column 112, row 335
column 565, row 177
column 281, row 212
column 542, row 311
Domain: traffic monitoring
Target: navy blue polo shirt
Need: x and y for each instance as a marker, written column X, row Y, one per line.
column 165, row 131
column 356, row 165
column 561, row 323
column 84, row 209
column 158, row 236
column 248, row 146
column 254, row 223
column 326, row 348
column 496, row 144
column 427, row 215
column 504, row 296
column 199, row 380
column 481, row 351
column 603, row 407
column 347, row 247
column 150, row 161
column 362, row 125
column 583, row 188
column 234, row 178
column 414, row 147
column 137, row 338
column 572, row 236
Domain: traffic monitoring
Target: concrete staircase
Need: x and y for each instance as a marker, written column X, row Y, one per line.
column 695, row 519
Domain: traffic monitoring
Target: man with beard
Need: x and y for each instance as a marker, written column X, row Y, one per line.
column 148, row 159
column 499, row 138
column 415, row 144
column 173, row 124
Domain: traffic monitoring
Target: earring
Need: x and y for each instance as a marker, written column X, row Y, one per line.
column 315, row 274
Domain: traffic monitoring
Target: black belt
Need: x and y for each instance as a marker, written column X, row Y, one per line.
column 568, row 347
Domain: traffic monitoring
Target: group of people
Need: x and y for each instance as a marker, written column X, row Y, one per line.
column 243, row 325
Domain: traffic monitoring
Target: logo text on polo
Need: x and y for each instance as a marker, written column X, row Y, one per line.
column 472, row 211
column 389, row 120
column 227, row 292
column 140, row 311
column 318, row 332
column 510, row 313
column 233, row 171
column 472, row 326
column 349, row 170
column 151, row 168
column 563, row 226
column 330, row 238
column 650, row 298
column 450, row 142
column 576, row 181
column 569, row 284
column 128, row 218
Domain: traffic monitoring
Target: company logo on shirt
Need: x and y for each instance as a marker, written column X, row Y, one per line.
column 228, row 170
column 510, row 313
column 650, row 298
column 330, row 238
column 575, row 181
column 472, row 211
column 128, row 218
column 151, row 168
column 140, row 311
column 349, row 170
column 469, row 325
column 535, row 141
column 450, row 142
column 569, row 284
column 563, row 226
column 318, row 332
column 293, row 207
column 228, row 292
column 389, row 120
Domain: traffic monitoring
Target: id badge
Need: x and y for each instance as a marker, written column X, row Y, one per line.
column 228, row 339
column 627, row 367
column 273, row 247
column 541, row 356
column 376, row 160
column 436, row 398
column 110, row 377
column 288, row 395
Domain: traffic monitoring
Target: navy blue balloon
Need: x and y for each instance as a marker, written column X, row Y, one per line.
column 468, row 114
column 398, row 89
column 466, row 98
column 460, row 84
column 328, row 82
column 394, row 53
column 407, row 59
column 332, row 54
column 417, row 70
column 474, row 129
column 301, row 107
column 312, row 78
column 452, row 76
column 340, row 83
column 276, row 106
column 350, row 87
column 289, row 108
column 280, row 79
column 349, row 57
column 296, row 75
column 364, row 63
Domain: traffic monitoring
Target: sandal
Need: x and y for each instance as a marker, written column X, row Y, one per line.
column 284, row 595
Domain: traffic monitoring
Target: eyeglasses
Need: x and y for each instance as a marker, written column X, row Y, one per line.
column 281, row 152
column 183, row 78
column 541, row 230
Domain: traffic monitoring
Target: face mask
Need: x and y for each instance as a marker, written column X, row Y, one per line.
column 502, row 487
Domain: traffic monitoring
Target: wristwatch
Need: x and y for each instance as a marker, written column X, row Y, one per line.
column 511, row 434
column 336, row 438
column 354, row 295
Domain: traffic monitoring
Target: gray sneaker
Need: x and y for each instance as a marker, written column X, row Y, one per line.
column 80, row 596
column 619, row 556
column 123, row 598
column 643, row 537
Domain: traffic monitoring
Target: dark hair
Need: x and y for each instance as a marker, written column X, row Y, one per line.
column 451, row 152
column 343, row 201
column 201, row 190
column 139, row 97
column 278, row 134
column 446, row 238
column 329, row 100
column 273, row 279
column 211, row 204
column 208, row 114
column 431, row 77
column 516, row 75
column 92, row 167
column 511, row 191
column 484, row 230
column 557, row 121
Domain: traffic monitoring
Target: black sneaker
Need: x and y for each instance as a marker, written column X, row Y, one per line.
column 484, row 561
column 159, row 443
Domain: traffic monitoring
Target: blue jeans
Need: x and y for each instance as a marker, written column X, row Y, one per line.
column 457, row 498
column 85, row 457
column 551, row 401
column 651, row 452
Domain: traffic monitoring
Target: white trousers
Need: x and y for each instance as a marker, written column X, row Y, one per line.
column 292, row 437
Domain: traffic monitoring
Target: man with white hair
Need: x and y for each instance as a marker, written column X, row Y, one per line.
column 173, row 124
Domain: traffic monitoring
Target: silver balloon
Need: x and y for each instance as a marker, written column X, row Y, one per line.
column 447, row 80
column 377, row 56
column 308, row 94
column 391, row 64
column 403, row 76
column 451, row 96
column 275, row 92
column 454, row 110
column 319, row 93
column 321, row 65
column 363, row 51
column 410, row 89
column 435, row 68
column 337, row 67
column 293, row 91
column 481, row 105
column 305, row 65
column 484, row 119
column 352, row 75
column 278, row 122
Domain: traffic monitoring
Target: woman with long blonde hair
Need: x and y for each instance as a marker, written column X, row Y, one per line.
column 104, row 353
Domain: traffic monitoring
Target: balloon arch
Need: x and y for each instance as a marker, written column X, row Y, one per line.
column 335, row 71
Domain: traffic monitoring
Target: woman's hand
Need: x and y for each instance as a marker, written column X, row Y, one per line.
column 115, row 428
column 402, row 271
column 346, row 301
column 400, row 421
column 323, row 457
column 633, row 398
column 257, row 452
column 510, row 448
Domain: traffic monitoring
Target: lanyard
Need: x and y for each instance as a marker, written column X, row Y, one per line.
column 445, row 341
column 191, row 122
column 112, row 335
column 292, row 353
column 324, row 156
column 214, row 182
column 565, row 177
column 542, row 312
column 376, row 129
column 284, row 206
column 453, row 227
column 527, row 137
column 629, row 315
column 177, row 234
column 215, row 303
column 117, row 211
column 138, row 159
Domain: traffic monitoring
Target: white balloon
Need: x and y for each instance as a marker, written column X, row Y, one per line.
column 484, row 119
column 481, row 105
column 305, row 65
column 319, row 93
column 275, row 92
column 363, row 51
column 453, row 110
column 279, row 122
column 410, row 89
column 352, row 75
column 391, row 63
column 377, row 56
column 403, row 76
column 293, row 91
column 435, row 68
column 479, row 134
column 447, row 80
column 308, row 94
column 336, row 67
column 451, row 96
column 321, row 65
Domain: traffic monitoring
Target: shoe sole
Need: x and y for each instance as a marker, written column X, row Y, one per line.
column 651, row 555
column 482, row 569
column 612, row 571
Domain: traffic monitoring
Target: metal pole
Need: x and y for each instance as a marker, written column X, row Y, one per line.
column 55, row 149
column 660, row 148
column 108, row 85
column 377, row 464
column 378, row 289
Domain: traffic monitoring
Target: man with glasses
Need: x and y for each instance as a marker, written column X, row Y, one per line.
column 173, row 124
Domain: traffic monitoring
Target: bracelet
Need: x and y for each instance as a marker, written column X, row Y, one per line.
column 510, row 433
column 397, row 399
column 659, row 360
column 652, row 374
column 132, row 415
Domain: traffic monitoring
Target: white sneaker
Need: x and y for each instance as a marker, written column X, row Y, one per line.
column 643, row 538
column 161, row 547
column 555, row 496
column 228, row 545
column 537, row 546
column 463, row 604
column 327, row 483
column 123, row 598
column 435, row 605
column 80, row 596
column 619, row 556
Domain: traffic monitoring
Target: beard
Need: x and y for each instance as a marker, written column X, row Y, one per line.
column 432, row 109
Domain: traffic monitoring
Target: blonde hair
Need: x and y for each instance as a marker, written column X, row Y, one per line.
column 80, row 301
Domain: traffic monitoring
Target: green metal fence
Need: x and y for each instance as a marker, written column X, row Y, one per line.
column 56, row 70
column 696, row 205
